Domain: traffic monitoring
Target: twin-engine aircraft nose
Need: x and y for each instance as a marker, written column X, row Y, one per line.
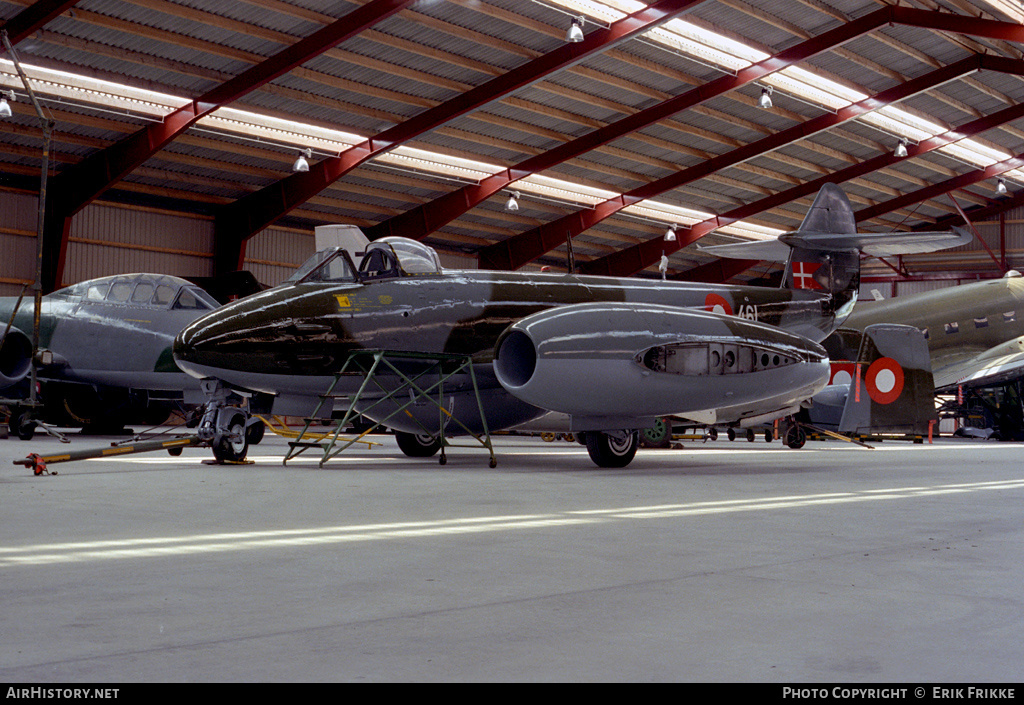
column 235, row 337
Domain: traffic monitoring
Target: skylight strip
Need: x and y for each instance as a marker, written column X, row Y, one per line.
column 1011, row 8
column 710, row 46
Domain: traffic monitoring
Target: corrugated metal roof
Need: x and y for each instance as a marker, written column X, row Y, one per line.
column 431, row 53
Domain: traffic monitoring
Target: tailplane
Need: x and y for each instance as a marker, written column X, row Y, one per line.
column 824, row 253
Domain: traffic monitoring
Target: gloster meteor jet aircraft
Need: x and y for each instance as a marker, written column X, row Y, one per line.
column 108, row 351
column 613, row 353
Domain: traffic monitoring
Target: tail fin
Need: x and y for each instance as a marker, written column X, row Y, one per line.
column 824, row 253
column 892, row 390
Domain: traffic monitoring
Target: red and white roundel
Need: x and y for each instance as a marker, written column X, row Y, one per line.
column 884, row 380
column 717, row 304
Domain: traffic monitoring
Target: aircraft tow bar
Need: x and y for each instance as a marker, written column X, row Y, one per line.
column 40, row 463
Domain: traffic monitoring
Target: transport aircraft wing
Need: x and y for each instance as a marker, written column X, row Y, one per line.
column 990, row 367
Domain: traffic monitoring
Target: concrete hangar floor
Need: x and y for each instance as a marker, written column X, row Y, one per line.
column 720, row 562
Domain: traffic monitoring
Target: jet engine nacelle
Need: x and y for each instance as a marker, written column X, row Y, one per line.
column 637, row 361
column 15, row 357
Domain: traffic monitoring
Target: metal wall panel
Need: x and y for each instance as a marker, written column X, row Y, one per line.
column 18, row 224
column 914, row 287
column 108, row 239
column 273, row 254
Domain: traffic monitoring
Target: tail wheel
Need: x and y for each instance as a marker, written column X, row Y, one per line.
column 232, row 445
column 421, row 445
column 612, row 451
column 658, row 435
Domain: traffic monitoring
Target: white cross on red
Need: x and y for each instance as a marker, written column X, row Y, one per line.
column 802, row 275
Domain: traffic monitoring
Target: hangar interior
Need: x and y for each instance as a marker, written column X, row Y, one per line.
column 196, row 138
column 495, row 130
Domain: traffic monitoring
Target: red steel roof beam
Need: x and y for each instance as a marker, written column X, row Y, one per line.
column 422, row 220
column 640, row 256
column 957, row 182
column 520, row 249
column 247, row 216
column 79, row 185
column 100, row 171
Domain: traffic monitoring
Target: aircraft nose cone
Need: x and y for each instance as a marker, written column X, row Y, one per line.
column 191, row 349
column 225, row 339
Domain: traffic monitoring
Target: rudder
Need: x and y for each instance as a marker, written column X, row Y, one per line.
column 892, row 390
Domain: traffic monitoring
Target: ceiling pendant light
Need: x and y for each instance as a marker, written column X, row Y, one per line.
column 1001, row 187
column 301, row 164
column 5, row 107
column 512, row 205
column 765, row 101
column 901, row 149
column 670, row 234
column 575, row 33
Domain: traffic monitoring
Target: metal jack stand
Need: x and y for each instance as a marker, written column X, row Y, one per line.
column 420, row 386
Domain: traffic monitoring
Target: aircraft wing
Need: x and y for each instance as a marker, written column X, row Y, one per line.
column 974, row 369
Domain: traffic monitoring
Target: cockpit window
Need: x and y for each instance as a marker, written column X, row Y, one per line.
column 193, row 299
column 97, row 291
column 378, row 263
column 330, row 265
column 384, row 258
column 164, row 295
column 120, row 290
column 143, row 293
column 399, row 256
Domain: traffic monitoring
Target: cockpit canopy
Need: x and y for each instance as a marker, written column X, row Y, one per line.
column 385, row 258
column 147, row 290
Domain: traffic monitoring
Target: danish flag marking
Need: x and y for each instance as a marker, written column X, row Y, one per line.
column 803, row 275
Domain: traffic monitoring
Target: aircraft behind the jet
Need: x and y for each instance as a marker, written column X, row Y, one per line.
column 975, row 336
column 108, row 352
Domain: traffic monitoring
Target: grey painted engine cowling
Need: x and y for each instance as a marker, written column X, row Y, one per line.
column 15, row 357
column 645, row 360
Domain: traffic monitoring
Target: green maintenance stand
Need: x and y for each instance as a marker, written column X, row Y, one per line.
column 425, row 385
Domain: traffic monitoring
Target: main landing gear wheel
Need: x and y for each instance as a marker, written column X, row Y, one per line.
column 21, row 426
column 612, row 451
column 421, row 445
column 232, row 446
column 795, row 437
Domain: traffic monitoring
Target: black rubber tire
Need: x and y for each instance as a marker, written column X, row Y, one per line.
column 795, row 437
column 21, row 426
column 608, row 453
column 417, row 446
column 254, row 433
column 233, row 451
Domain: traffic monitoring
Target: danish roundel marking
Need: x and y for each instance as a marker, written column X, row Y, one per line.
column 717, row 304
column 884, row 380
